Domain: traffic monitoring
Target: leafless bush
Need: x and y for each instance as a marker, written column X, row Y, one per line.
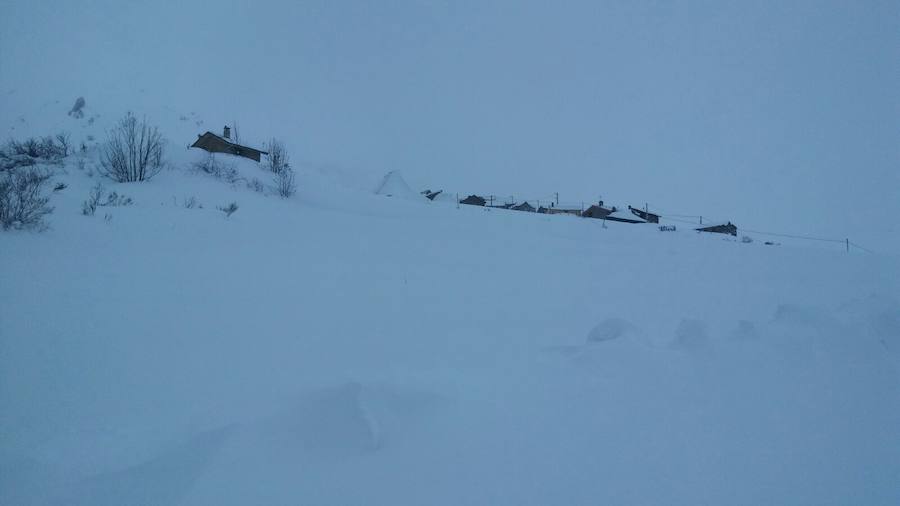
column 133, row 151
column 218, row 169
column 99, row 198
column 191, row 203
column 284, row 182
column 89, row 206
column 229, row 209
column 31, row 151
column 63, row 141
column 256, row 185
column 10, row 160
column 23, row 203
column 278, row 162
column 277, row 159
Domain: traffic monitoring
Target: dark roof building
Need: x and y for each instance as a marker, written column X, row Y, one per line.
column 575, row 211
column 430, row 195
column 623, row 216
column 215, row 144
column 524, row 206
column 473, row 200
column 727, row 228
column 644, row 215
column 598, row 211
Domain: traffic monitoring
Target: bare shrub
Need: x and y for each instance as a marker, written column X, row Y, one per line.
column 89, row 206
column 191, row 203
column 284, row 182
column 64, row 142
column 23, row 203
column 256, row 185
column 220, row 170
column 31, row 151
column 133, row 151
column 229, row 209
column 10, row 160
column 278, row 162
column 99, row 198
column 277, row 159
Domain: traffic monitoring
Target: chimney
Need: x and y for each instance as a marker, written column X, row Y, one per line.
column 227, row 132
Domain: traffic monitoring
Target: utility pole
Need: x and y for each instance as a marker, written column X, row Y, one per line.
column 848, row 245
column 457, row 201
column 557, row 199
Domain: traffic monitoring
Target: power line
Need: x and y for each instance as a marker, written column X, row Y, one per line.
column 860, row 247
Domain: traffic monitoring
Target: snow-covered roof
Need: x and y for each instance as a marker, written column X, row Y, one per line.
column 231, row 142
column 624, row 215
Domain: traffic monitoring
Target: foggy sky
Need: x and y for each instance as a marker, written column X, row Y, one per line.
column 780, row 116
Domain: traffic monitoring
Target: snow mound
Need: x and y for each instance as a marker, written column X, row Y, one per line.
column 393, row 185
column 690, row 335
column 334, row 420
column 610, row 329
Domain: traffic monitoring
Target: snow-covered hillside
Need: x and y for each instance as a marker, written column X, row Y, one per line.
column 343, row 347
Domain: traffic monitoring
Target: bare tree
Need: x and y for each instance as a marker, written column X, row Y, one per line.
column 277, row 159
column 133, row 151
column 23, row 203
column 278, row 162
column 63, row 139
column 284, row 182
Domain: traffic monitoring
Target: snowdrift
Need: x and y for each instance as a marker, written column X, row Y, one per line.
column 363, row 350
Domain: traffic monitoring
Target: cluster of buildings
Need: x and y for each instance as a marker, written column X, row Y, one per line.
column 394, row 184
column 597, row 211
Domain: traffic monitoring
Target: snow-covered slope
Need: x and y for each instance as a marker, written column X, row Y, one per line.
column 340, row 347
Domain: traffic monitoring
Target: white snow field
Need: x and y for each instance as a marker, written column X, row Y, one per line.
column 342, row 347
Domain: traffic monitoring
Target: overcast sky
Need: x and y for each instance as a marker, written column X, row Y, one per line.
column 780, row 115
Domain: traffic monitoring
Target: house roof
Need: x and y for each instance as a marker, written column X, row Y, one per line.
column 229, row 142
column 717, row 224
column 624, row 215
